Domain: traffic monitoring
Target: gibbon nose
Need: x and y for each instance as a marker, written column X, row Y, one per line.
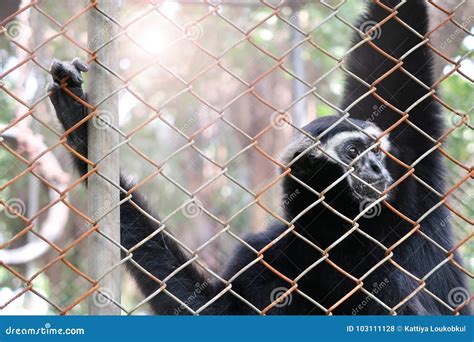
column 375, row 167
column 371, row 168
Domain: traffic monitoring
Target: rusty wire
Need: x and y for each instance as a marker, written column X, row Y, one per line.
column 466, row 171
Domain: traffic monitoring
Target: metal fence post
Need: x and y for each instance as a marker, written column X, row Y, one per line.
column 104, row 196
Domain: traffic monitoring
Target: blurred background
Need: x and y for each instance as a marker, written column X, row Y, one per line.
column 218, row 112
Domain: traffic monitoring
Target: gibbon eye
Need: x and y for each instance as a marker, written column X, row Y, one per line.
column 376, row 150
column 352, row 152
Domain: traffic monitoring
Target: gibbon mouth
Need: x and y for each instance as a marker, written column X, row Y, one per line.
column 363, row 192
column 379, row 184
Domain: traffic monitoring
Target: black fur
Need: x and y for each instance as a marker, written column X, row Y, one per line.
column 291, row 255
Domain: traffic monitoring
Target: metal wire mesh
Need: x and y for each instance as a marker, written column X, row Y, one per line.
column 134, row 139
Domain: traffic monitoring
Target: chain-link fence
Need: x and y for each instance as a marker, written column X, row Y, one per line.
column 200, row 99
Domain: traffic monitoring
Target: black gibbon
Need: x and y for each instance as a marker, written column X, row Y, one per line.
column 316, row 170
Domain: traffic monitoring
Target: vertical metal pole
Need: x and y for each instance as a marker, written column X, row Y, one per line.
column 103, row 196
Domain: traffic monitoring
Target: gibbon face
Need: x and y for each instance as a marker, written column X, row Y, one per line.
column 319, row 158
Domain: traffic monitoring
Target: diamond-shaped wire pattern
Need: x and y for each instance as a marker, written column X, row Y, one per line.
column 178, row 85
